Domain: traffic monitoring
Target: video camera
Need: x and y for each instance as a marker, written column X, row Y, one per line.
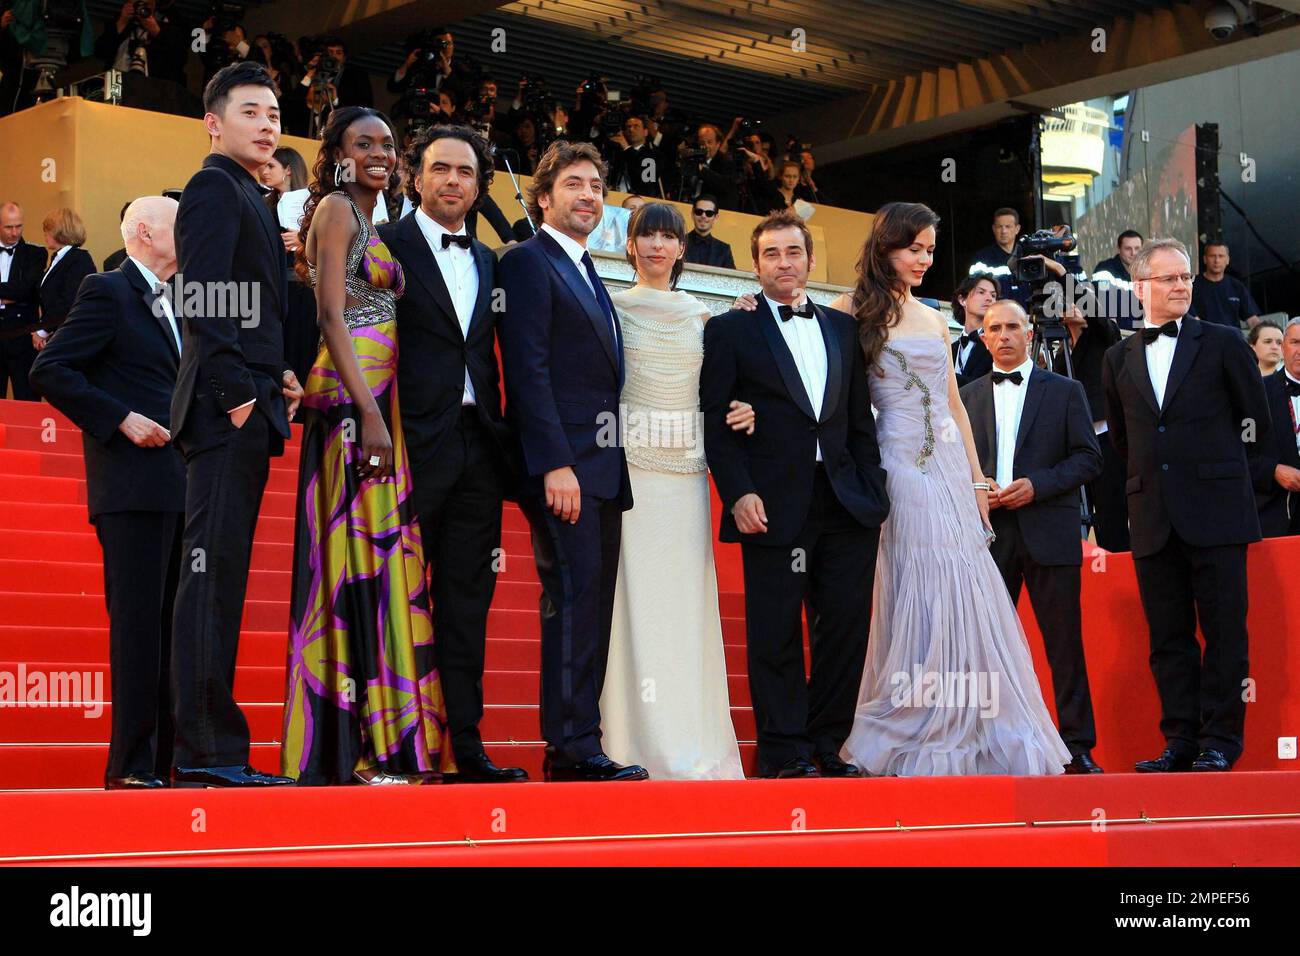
column 1044, row 243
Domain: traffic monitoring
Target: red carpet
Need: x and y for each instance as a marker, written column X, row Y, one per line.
column 52, row 618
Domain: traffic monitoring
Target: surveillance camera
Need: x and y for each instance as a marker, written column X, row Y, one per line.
column 1222, row 21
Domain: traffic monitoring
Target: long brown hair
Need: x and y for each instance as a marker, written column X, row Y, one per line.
column 875, row 296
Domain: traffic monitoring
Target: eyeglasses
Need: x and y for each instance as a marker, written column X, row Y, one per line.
column 706, row 213
column 1183, row 277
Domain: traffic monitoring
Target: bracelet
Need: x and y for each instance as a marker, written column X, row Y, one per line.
column 981, row 486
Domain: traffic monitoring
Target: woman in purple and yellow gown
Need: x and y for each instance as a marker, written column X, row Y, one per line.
column 363, row 701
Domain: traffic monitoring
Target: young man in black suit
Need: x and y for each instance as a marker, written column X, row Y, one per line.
column 1277, row 479
column 460, row 449
column 1035, row 441
column 562, row 351
column 970, row 357
column 111, row 368
column 234, row 397
column 21, row 266
column 804, row 496
column 1186, row 407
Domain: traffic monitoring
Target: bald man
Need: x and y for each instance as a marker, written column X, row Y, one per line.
column 111, row 368
column 21, row 266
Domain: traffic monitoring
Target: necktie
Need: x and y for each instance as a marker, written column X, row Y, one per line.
column 1292, row 387
column 787, row 312
column 1150, row 335
column 1014, row 378
column 7, row 250
column 449, row 240
column 598, row 290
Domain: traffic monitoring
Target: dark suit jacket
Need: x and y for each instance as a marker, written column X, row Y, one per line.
column 1056, row 449
column 23, row 287
column 1187, row 463
column 746, row 358
column 642, row 166
column 1087, row 356
column 115, row 354
column 1272, row 500
column 59, row 290
column 980, row 362
column 433, row 354
column 563, row 371
column 225, row 233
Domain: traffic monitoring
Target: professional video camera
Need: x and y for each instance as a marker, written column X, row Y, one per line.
column 1044, row 243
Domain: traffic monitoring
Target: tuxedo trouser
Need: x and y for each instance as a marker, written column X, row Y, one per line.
column 142, row 551
column 1201, row 699
column 1054, row 592
column 18, row 355
column 578, row 567
column 1108, row 499
column 459, row 497
column 830, row 566
column 222, row 499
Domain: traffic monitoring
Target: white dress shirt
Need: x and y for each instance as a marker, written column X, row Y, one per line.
column 6, row 263
column 1008, row 403
column 575, row 251
column 459, row 273
column 154, row 283
column 1160, row 357
column 804, row 339
column 963, row 351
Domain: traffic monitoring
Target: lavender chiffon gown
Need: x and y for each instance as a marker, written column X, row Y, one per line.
column 949, row 686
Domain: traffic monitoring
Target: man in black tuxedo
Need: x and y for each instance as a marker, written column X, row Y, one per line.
column 637, row 165
column 22, row 264
column 970, row 357
column 804, row 495
column 1277, row 479
column 230, row 414
column 111, row 368
column 1034, row 437
column 1186, row 407
column 460, row 448
column 562, row 351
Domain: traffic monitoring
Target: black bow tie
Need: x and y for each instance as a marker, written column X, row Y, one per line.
column 967, row 338
column 8, row 250
column 1150, row 335
column 1013, row 377
column 787, row 312
column 448, row 240
column 1292, row 386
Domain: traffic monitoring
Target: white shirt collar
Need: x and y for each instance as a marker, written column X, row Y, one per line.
column 434, row 230
column 59, row 253
column 572, row 247
column 149, row 277
column 1025, row 369
column 1148, row 324
column 776, row 306
column 1290, row 376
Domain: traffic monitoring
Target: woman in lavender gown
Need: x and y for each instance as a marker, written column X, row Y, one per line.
column 949, row 686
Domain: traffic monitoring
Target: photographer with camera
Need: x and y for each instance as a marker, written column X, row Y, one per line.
column 151, row 37
column 431, row 60
column 637, row 165
column 707, row 169
column 330, row 83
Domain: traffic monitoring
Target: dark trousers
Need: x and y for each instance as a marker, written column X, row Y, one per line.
column 142, row 551
column 1109, row 501
column 18, row 356
column 1201, row 698
column 831, row 567
column 222, row 499
column 578, row 566
column 458, row 496
column 1054, row 594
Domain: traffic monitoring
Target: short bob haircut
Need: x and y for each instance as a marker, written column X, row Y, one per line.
column 658, row 217
column 65, row 226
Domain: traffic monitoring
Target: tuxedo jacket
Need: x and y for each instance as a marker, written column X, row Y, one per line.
column 746, row 358
column 1276, row 505
column 1056, row 449
column 59, row 290
column 433, row 354
column 979, row 363
column 21, row 316
column 225, row 233
column 1188, row 468
column 1087, row 356
column 563, row 370
column 113, row 355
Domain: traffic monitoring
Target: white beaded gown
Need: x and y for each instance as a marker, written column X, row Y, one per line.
column 949, row 686
column 664, row 704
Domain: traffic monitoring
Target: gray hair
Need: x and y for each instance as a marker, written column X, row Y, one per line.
column 1292, row 322
column 146, row 209
column 1150, row 248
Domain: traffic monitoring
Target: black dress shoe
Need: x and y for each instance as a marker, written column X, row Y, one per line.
column 479, row 768
column 794, row 768
column 1083, row 763
column 135, row 781
column 1167, row 762
column 831, row 765
column 1211, row 760
column 235, row 776
column 593, row 770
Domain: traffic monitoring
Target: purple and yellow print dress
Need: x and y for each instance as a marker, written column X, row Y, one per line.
column 362, row 688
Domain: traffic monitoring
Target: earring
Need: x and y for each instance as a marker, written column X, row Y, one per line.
column 338, row 168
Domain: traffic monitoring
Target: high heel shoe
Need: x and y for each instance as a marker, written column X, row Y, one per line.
column 380, row 779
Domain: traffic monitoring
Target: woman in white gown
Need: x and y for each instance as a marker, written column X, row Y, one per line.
column 949, row 686
column 665, row 704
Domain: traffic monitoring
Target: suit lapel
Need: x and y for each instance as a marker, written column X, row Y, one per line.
column 834, row 358
column 421, row 263
column 482, row 261
column 989, row 455
column 586, row 297
column 1189, row 343
column 150, row 299
column 784, row 359
column 1033, row 399
column 1135, row 363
